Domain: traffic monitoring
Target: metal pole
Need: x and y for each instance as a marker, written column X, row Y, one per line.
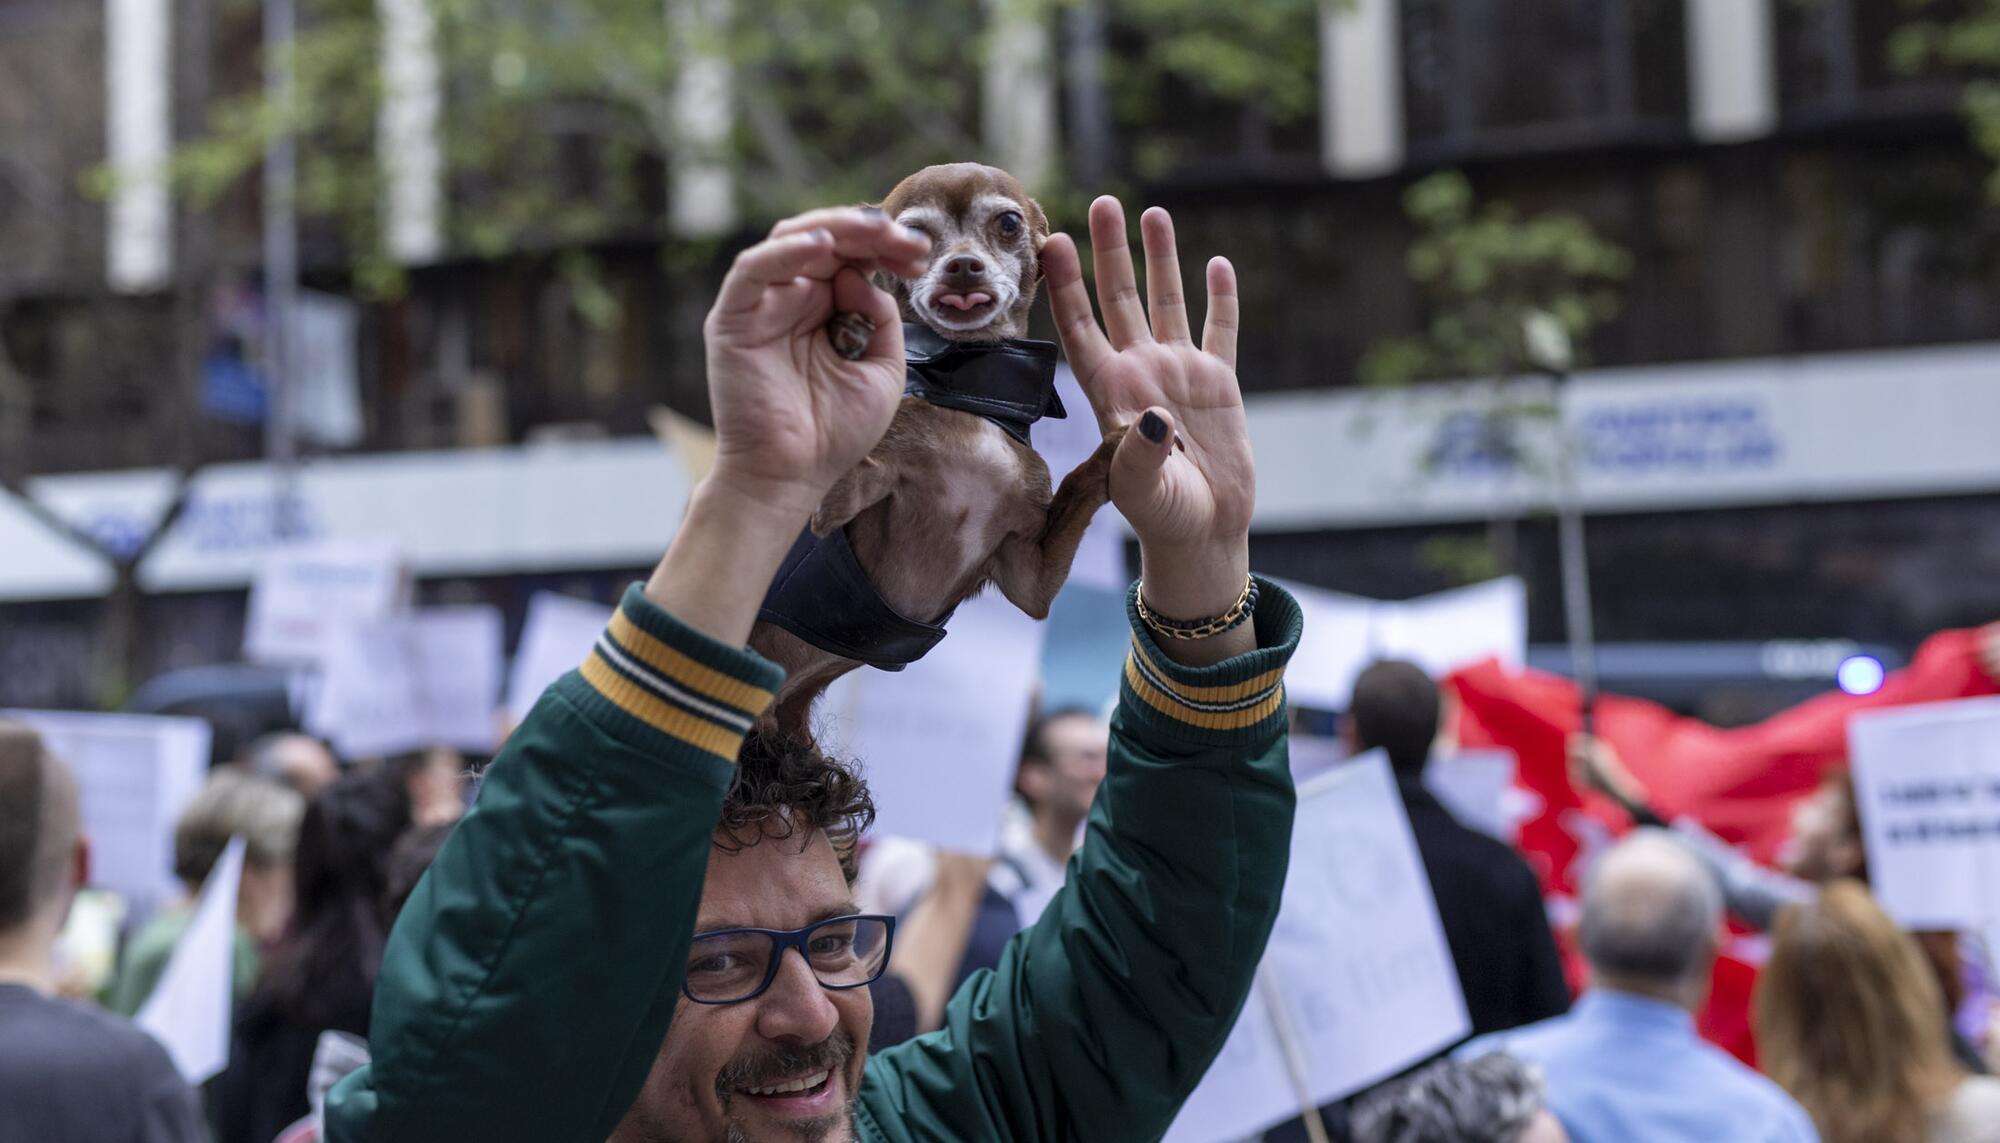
column 281, row 259
column 1575, row 567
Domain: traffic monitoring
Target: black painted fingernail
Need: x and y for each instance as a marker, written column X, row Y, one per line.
column 1153, row 427
column 872, row 212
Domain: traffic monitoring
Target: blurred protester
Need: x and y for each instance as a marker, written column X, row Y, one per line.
column 321, row 975
column 298, row 760
column 436, row 781
column 1493, row 1098
column 1487, row 897
column 1846, row 1018
column 1625, row 1064
column 230, row 804
column 67, row 1071
column 1062, row 764
column 929, row 957
column 1826, row 844
column 336, row 1053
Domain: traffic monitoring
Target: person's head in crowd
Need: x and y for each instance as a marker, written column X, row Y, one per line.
column 1826, row 833
column 1849, row 1019
column 298, row 760
column 44, row 857
column 1494, row 1098
column 1062, row 764
column 783, row 859
column 1395, row 709
column 412, row 854
column 436, row 781
column 266, row 815
column 323, row 970
column 1651, row 921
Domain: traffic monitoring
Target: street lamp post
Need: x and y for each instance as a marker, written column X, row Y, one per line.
column 281, row 258
column 1548, row 347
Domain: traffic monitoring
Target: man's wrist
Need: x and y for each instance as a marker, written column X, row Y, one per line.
column 1192, row 582
column 721, row 561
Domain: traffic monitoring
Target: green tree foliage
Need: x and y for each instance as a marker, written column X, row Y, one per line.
column 1484, row 269
column 1960, row 38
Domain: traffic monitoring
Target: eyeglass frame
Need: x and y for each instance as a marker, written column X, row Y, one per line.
column 785, row 939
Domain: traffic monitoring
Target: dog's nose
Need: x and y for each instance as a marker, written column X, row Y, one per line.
column 964, row 266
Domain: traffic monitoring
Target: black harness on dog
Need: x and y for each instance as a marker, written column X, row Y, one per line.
column 821, row 593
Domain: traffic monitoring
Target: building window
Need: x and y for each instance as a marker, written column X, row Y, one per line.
column 1834, row 60
column 1507, row 75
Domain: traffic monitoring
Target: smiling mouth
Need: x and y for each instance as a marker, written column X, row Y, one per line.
column 803, row 1085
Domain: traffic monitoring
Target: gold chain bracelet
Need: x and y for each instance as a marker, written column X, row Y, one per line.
column 1200, row 628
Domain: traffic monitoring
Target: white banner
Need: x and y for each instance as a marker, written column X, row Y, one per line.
column 939, row 741
column 134, row 774
column 1927, row 785
column 190, row 1008
column 1357, row 964
column 1441, row 632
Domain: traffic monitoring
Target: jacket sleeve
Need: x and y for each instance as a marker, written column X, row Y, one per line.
column 528, row 983
column 1102, row 1016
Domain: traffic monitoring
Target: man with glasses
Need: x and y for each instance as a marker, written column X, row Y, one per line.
column 637, row 936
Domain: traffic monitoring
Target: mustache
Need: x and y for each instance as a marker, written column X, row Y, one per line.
column 760, row 1068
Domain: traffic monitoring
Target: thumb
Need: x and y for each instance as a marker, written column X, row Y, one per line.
column 1147, row 445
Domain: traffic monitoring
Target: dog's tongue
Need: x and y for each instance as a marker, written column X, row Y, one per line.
column 964, row 301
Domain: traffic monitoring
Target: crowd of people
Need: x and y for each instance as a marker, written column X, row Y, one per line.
column 600, row 948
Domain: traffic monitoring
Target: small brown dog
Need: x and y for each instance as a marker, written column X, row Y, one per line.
column 950, row 500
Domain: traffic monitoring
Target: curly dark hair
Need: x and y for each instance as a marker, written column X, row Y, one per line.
column 787, row 787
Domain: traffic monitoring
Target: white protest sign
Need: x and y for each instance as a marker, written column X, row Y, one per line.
column 1927, row 785
column 189, row 1011
column 1440, row 633
column 423, row 678
column 1064, row 445
column 556, row 639
column 134, row 774
column 1358, row 957
column 304, row 594
column 939, row 741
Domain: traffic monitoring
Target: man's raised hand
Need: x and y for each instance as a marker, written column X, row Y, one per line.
column 791, row 414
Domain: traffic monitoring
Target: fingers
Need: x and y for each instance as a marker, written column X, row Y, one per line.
column 1165, row 301
column 1144, row 450
column 1117, row 287
column 864, row 234
column 1082, row 341
column 1218, row 335
column 772, row 262
column 854, row 294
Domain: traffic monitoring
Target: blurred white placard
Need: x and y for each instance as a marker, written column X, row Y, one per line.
column 1065, row 444
column 1357, row 962
column 939, row 741
column 303, row 595
column 1440, row 633
column 1927, row 784
column 190, row 1009
column 1477, row 786
column 556, row 639
column 423, row 678
column 134, row 775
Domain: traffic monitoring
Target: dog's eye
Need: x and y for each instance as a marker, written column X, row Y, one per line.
column 1009, row 223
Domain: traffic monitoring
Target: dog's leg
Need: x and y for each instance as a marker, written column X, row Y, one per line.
column 1031, row 569
column 865, row 485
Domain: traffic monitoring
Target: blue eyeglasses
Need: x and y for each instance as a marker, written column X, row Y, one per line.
column 729, row 966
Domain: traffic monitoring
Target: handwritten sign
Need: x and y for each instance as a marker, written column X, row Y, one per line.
column 134, row 774
column 940, row 740
column 424, row 678
column 304, row 595
column 1357, row 964
column 1927, row 784
column 557, row 637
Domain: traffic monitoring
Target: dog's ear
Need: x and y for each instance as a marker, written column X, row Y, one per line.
column 1038, row 227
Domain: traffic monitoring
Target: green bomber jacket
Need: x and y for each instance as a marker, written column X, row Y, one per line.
column 531, row 978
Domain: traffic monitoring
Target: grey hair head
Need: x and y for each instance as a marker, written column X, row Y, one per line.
column 1650, row 912
column 1492, row 1099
